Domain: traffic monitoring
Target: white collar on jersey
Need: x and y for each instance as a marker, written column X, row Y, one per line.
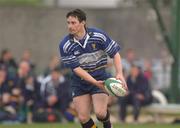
column 85, row 42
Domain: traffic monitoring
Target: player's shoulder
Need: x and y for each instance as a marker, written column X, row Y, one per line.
column 66, row 43
column 96, row 30
column 65, row 40
column 98, row 33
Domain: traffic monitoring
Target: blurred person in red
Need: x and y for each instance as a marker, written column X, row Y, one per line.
column 148, row 70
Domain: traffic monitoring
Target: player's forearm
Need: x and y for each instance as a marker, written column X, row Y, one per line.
column 85, row 75
column 117, row 63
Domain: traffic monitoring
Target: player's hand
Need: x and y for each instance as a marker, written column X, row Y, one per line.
column 100, row 84
column 121, row 77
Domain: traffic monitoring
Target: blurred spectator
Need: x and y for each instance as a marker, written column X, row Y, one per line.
column 161, row 68
column 129, row 60
column 54, row 63
column 148, row 70
column 32, row 98
column 8, row 60
column 17, row 103
column 31, row 92
column 17, row 97
column 4, row 87
column 56, row 94
column 7, row 111
column 139, row 93
column 24, row 70
column 27, row 57
column 8, row 97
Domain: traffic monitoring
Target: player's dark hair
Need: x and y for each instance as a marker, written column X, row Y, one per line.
column 77, row 13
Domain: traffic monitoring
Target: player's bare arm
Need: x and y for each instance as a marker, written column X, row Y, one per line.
column 118, row 68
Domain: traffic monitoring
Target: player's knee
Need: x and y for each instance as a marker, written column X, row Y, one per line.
column 83, row 118
column 104, row 118
column 100, row 114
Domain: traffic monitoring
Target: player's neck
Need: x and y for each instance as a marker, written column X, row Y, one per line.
column 80, row 35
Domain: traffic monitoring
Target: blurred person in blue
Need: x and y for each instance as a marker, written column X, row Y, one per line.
column 18, row 97
column 31, row 92
column 85, row 51
column 56, row 94
column 8, row 98
column 31, row 96
column 5, row 91
column 148, row 73
column 139, row 93
column 5, row 85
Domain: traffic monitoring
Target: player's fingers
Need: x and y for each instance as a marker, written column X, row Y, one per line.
column 102, row 82
column 124, row 82
column 118, row 78
column 125, row 85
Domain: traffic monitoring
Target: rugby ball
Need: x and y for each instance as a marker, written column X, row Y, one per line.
column 115, row 87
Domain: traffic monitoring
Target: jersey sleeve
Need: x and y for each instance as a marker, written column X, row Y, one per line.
column 67, row 57
column 110, row 46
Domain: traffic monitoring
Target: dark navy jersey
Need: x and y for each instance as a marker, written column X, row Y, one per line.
column 89, row 53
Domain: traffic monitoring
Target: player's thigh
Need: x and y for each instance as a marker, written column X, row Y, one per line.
column 100, row 103
column 83, row 105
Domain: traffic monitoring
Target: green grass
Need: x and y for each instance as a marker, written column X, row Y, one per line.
column 20, row 2
column 73, row 125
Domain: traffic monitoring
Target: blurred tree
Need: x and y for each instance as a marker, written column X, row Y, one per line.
column 173, row 43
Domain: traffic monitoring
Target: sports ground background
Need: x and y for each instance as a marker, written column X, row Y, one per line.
column 38, row 25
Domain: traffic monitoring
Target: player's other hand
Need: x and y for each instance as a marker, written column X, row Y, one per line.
column 121, row 77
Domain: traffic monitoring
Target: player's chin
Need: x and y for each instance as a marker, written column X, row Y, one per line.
column 72, row 32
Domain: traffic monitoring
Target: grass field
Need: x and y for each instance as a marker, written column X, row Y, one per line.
column 20, row 2
column 57, row 125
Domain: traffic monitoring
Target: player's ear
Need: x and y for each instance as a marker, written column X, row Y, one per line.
column 83, row 22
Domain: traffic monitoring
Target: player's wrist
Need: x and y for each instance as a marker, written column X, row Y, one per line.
column 94, row 82
column 118, row 72
column 100, row 84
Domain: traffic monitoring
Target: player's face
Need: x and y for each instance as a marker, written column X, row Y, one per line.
column 74, row 26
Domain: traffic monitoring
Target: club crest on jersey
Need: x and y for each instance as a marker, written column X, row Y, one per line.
column 93, row 46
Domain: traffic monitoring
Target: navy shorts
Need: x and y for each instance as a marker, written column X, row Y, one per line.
column 82, row 87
